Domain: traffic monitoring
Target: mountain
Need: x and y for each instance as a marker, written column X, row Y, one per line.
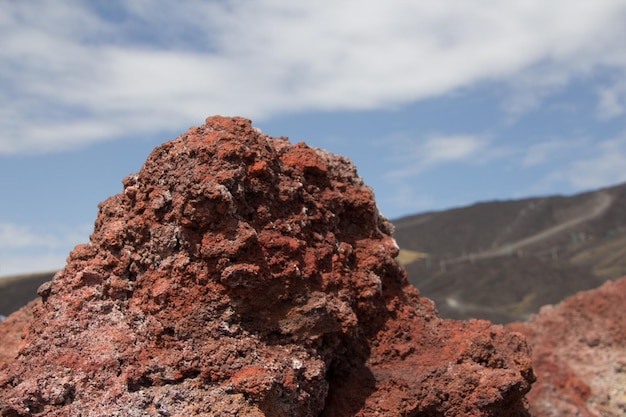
column 502, row 260
column 18, row 290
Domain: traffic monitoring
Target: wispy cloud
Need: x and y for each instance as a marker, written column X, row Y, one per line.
column 26, row 248
column 528, row 89
column 80, row 72
column 604, row 166
column 30, row 263
column 442, row 149
column 413, row 156
column 545, row 152
column 16, row 236
column 406, row 197
column 595, row 163
column 612, row 100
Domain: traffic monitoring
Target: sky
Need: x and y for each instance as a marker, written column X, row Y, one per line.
column 438, row 103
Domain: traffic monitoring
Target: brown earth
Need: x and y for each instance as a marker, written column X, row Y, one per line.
column 238, row 274
column 579, row 354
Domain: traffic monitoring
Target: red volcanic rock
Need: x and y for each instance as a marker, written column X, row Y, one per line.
column 238, row 274
column 579, row 354
column 11, row 331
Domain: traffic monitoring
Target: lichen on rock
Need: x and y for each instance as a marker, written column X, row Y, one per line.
column 240, row 274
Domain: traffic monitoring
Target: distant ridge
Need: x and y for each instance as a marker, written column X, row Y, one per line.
column 502, row 260
column 16, row 291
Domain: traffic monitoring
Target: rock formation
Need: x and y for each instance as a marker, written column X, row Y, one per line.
column 12, row 329
column 579, row 354
column 238, row 274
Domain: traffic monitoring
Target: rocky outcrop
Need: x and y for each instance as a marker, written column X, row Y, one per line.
column 238, row 274
column 12, row 330
column 579, row 354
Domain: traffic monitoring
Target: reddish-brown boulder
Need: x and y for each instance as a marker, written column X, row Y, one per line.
column 238, row 274
column 11, row 331
column 579, row 354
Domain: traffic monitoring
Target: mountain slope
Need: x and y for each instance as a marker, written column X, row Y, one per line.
column 502, row 260
column 16, row 291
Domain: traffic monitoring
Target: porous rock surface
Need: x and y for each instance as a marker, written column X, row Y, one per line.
column 238, row 274
column 579, row 354
column 12, row 330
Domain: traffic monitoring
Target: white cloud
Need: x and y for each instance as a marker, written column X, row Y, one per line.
column 530, row 87
column 540, row 153
column 25, row 249
column 600, row 163
column 412, row 156
column 451, row 148
column 405, row 197
column 612, row 100
column 405, row 186
column 31, row 263
column 16, row 236
column 605, row 167
column 72, row 76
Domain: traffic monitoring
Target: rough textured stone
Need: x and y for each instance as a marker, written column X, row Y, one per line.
column 11, row 331
column 579, row 354
column 238, row 274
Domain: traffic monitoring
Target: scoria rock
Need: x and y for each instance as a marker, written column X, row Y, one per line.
column 579, row 354
column 12, row 329
column 238, row 274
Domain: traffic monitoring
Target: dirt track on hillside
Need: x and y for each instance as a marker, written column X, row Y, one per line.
column 602, row 202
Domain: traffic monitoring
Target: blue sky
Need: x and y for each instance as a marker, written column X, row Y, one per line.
column 439, row 104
